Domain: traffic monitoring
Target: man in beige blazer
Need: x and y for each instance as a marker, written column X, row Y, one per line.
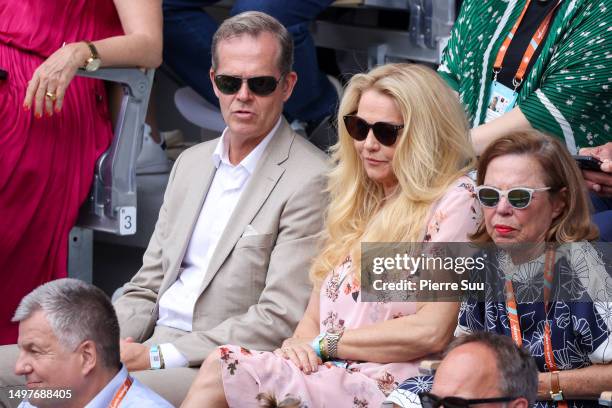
column 228, row 261
column 255, row 286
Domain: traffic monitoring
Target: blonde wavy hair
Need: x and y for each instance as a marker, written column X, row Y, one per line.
column 432, row 151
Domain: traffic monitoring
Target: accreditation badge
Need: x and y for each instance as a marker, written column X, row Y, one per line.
column 501, row 100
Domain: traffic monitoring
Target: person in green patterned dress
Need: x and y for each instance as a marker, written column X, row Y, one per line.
column 565, row 91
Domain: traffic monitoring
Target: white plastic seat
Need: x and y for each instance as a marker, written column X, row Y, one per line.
column 198, row 110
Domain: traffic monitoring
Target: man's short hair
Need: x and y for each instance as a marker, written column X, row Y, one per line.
column 254, row 23
column 518, row 373
column 76, row 312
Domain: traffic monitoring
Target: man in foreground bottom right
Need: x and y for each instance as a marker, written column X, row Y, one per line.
column 483, row 368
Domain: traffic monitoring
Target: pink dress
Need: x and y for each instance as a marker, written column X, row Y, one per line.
column 46, row 165
column 359, row 384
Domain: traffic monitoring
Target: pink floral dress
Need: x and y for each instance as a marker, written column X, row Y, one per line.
column 247, row 373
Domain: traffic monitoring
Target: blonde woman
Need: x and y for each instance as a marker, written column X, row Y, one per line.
column 402, row 156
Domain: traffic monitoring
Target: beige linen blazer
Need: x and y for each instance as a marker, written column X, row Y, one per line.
column 256, row 287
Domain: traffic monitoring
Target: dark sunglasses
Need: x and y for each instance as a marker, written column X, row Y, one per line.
column 518, row 197
column 260, row 85
column 358, row 129
column 429, row 400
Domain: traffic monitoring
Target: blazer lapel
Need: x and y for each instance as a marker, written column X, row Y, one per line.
column 204, row 172
column 262, row 182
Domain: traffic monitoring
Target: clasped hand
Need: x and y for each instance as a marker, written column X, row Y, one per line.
column 301, row 353
column 135, row 356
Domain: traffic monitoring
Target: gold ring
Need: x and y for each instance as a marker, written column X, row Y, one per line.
column 51, row 95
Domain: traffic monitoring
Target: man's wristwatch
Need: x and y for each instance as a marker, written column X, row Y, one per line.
column 157, row 359
column 556, row 394
column 93, row 62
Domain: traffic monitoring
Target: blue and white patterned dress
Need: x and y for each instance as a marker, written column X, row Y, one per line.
column 580, row 318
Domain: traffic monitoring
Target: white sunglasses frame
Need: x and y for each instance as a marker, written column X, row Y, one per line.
column 504, row 193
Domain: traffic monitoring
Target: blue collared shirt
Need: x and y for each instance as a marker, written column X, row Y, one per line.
column 138, row 395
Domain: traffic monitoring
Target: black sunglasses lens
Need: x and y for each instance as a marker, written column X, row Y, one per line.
column 263, row 85
column 356, row 127
column 519, row 198
column 386, row 133
column 455, row 402
column 227, row 84
column 488, row 197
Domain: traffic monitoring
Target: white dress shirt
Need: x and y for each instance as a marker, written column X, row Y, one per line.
column 177, row 303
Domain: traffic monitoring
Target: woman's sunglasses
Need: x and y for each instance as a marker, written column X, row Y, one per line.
column 518, row 197
column 358, row 129
column 429, row 400
column 260, row 85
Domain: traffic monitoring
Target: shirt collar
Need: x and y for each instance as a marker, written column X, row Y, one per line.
column 221, row 153
column 104, row 397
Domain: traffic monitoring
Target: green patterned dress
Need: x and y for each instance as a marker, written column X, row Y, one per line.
column 566, row 93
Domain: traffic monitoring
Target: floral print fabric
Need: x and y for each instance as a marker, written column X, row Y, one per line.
column 580, row 320
column 567, row 92
column 356, row 384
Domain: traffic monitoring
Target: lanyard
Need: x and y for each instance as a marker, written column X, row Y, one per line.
column 531, row 48
column 121, row 392
column 513, row 317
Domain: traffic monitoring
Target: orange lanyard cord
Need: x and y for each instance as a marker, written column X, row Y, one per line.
column 533, row 45
column 513, row 317
column 120, row 394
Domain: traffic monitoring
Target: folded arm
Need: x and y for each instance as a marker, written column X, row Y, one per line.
column 579, row 383
column 431, row 328
column 427, row 331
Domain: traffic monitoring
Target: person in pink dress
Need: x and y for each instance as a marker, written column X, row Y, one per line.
column 402, row 158
column 54, row 126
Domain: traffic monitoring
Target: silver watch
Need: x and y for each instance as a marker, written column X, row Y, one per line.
column 333, row 338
